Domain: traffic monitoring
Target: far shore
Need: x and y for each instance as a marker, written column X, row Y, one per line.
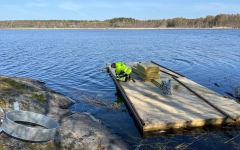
column 116, row 28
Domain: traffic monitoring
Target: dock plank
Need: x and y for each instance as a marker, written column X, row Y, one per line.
column 182, row 109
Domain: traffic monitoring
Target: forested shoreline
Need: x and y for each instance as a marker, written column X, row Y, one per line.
column 218, row 21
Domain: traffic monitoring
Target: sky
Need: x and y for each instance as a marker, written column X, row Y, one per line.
column 108, row 9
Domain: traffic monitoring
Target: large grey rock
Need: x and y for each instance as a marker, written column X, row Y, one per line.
column 76, row 131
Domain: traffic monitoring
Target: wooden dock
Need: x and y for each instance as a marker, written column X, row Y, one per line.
column 190, row 105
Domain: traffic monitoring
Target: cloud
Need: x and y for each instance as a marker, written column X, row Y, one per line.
column 70, row 6
column 32, row 4
column 218, row 7
column 74, row 7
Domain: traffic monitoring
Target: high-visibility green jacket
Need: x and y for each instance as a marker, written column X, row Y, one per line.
column 121, row 67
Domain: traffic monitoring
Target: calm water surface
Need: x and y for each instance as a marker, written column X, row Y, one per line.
column 70, row 62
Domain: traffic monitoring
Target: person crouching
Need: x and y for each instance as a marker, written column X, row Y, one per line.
column 122, row 71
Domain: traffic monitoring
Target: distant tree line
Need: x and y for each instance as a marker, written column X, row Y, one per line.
column 218, row 21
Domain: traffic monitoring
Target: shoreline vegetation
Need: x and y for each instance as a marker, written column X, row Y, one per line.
column 119, row 28
column 221, row 21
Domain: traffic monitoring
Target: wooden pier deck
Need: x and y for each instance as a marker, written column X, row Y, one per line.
column 191, row 105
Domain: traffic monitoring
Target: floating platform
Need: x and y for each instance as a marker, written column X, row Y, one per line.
column 190, row 105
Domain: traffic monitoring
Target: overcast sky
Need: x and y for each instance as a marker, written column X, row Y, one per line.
column 108, row 9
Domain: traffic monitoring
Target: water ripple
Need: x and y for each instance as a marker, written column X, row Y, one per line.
column 70, row 61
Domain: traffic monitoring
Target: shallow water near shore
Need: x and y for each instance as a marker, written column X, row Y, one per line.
column 70, row 62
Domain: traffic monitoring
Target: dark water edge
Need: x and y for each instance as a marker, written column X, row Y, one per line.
column 70, row 62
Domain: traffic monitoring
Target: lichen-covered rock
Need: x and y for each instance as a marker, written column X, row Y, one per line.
column 86, row 134
column 58, row 100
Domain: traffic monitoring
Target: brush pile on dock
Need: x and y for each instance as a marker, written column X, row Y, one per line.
column 147, row 71
column 159, row 83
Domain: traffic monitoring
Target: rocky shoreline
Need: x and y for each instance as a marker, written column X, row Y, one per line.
column 76, row 130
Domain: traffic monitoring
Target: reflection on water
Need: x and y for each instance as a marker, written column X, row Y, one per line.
column 70, row 62
column 208, row 137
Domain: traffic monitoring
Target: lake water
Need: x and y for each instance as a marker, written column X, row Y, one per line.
column 70, row 62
